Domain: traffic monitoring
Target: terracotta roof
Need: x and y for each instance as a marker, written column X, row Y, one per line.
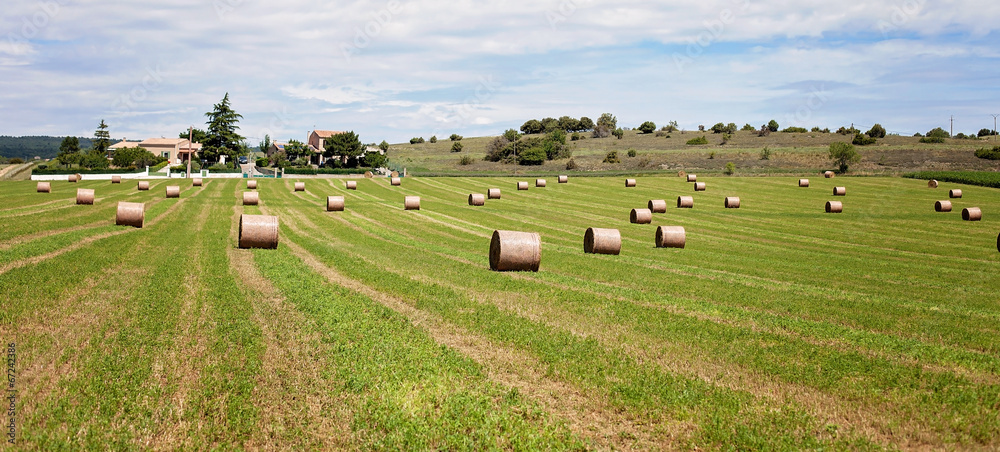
column 162, row 142
column 124, row 144
column 326, row 133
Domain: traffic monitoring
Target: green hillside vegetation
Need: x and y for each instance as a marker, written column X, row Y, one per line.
column 31, row 146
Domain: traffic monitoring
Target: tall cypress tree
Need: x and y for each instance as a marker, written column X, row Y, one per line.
column 102, row 139
column 222, row 138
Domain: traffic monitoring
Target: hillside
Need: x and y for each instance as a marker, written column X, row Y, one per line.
column 29, row 147
column 790, row 153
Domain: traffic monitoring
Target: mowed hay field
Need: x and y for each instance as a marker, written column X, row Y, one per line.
column 778, row 326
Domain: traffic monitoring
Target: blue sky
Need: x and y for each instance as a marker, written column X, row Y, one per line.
column 398, row 69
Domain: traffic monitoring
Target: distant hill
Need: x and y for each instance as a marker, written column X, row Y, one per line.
column 29, row 147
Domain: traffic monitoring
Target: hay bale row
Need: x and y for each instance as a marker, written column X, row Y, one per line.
column 143, row 185
column 173, row 191
column 395, row 181
column 540, row 183
column 657, row 205
column 196, row 182
column 692, row 178
column 685, row 202
column 932, row 183
column 972, row 214
column 834, row 207
column 629, row 182
column 411, row 203
column 563, row 179
column 732, row 202
column 351, row 185
column 43, row 187
column 258, row 231
column 803, row 182
column 116, row 179
column 700, row 186
column 251, row 185
column 515, row 251
column 251, row 198
column 670, row 237
column 493, row 193
column 641, row 216
column 477, row 199
column 85, row 196
column 602, row 241
column 955, row 194
column 334, row 203
column 130, row 214
column 522, row 185
column 839, row 191
column 300, row 186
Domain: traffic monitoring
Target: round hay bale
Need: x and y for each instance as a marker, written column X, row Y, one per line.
column 932, row 183
column 515, row 251
column 839, row 191
column 681, row 173
column 411, row 203
column 72, row 178
column 732, row 202
column 522, row 185
column 78, row 177
column 670, row 237
column 657, row 205
column 602, row 241
column 44, row 187
column 630, row 182
column 251, row 198
column 173, row 191
column 351, row 185
column 196, row 182
column 692, row 178
column 130, row 214
column 395, row 181
column 972, row 214
column 143, row 185
column 251, row 185
column 641, row 216
column 828, row 174
column 834, row 207
column 334, row 203
column 699, row 186
column 563, row 179
column 258, row 231
column 685, row 202
column 956, row 193
column 493, row 193
column 116, row 179
column 942, row 206
column 300, row 186
column 85, row 196
column 540, row 183
column 477, row 199
column 369, row 174
column 803, row 182
column 394, row 174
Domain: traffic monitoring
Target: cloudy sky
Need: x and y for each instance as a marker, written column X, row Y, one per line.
column 403, row 68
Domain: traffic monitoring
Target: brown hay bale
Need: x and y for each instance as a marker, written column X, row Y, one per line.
column 657, row 205
column 196, row 182
column 493, row 193
column 515, row 251
column 685, row 202
column 732, row 202
column 173, row 191
column 932, row 183
column 300, row 186
column 681, row 173
column 803, row 182
column 411, row 203
column 670, row 237
column 692, row 178
column 641, row 216
column 563, row 179
column 130, row 214
column 116, row 179
column 699, row 186
column 602, row 241
column 258, row 231
column 522, row 185
column 143, row 185
column 540, row 183
column 251, row 198
column 394, row 174
column 942, row 206
column 956, row 193
column 972, row 214
column 395, row 181
column 477, row 199
column 839, row 191
column 251, row 185
column 369, row 174
column 72, row 178
column 78, row 177
column 43, row 187
column 834, row 207
column 630, row 182
column 334, row 203
column 85, row 196
column 351, row 185
column 828, row 174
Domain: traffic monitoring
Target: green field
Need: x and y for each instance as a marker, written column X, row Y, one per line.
column 778, row 327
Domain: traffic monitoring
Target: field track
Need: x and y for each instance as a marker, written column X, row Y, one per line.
column 778, row 326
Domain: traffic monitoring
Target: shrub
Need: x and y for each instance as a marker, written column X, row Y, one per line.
column 644, row 162
column 660, row 133
column 612, row 157
column 765, row 154
column 416, row 140
column 670, row 128
column 455, row 137
column 631, row 152
column 456, row 146
column 794, row 130
column 989, row 154
column 262, row 162
column 730, row 168
column 697, row 141
column 848, row 131
column 711, row 155
column 647, row 127
column 434, row 139
column 985, row 133
column 960, row 136
column 16, row 161
column 466, row 160
column 772, row 125
column 571, row 164
column 576, row 136
column 532, row 156
column 618, row 133
column 932, row 140
column 843, row 154
column 497, row 149
column 748, row 128
column 863, row 140
column 938, row 132
column 726, row 137
column 718, row 128
column 375, row 160
column 877, row 131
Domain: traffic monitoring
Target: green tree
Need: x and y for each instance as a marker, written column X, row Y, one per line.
column 647, row 127
column 843, row 154
column 221, row 137
column 568, row 124
column 877, row 131
column 718, row 128
column 434, row 139
column 375, row 160
column 345, row 145
column 748, row 128
column 532, row 156
column 618, row 133
column 95, row 159
column 605, row 126
column 455, row 137
column 586, row 123
column 265, row 144
column 456, row 146
column 772, row 125
column 384, row 146
column 295, row 149
column 938, row 132
column 197, row 136
column 69, row 151
column 511, row 135
column 102, row 139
